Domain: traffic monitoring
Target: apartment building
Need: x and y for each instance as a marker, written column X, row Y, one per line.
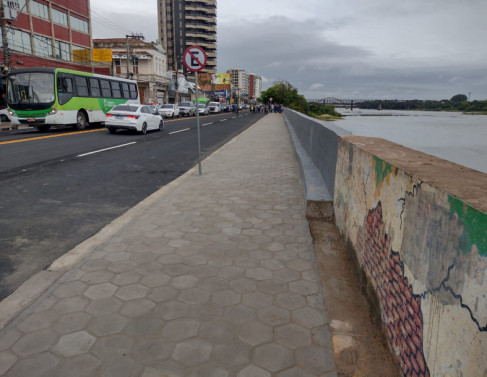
column 255, row 86
column 48, row 33
column 184, row 23
column 239, row 82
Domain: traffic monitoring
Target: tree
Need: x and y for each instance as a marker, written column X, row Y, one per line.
column 459, row 98
column 284, row 93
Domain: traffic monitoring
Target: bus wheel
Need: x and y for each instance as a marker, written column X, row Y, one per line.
column 81, row 122
column 144, row 129
column 43, row 128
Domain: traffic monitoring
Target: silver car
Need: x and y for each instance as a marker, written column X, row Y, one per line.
column 169, row 110
column 203, row 109
column 187, row 108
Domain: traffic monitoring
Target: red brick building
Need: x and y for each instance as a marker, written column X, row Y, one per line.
column 51, row 33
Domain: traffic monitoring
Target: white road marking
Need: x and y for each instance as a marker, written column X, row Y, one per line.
column 106, row 149
column 206, row 124
column 175, row 132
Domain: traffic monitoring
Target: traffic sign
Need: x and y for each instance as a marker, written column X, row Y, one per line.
column 194, row 58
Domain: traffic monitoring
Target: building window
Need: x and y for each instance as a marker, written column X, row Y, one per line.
column 78, row 24
column 39, row 10
column 118, row 66
column 62, row 51
column 43, row 46
column 19, row 41
column 59, row 17
column 135, row 65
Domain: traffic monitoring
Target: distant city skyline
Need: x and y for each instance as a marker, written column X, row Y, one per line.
column 325, row 48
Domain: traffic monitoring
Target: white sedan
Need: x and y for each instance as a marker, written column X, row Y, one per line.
column 169, row 110
column 138, row 118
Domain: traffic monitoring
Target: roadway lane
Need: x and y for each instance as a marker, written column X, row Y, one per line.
column 49, row 206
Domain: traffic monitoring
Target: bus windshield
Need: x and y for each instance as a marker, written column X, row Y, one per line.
column 31, row 89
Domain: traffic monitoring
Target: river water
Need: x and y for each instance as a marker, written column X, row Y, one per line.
column 456, row 137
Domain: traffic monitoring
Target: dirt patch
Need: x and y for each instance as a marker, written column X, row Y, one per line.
column 358, row 344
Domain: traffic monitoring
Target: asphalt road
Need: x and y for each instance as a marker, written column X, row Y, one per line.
column 61, row 187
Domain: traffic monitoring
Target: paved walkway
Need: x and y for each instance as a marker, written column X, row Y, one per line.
column 216, row 278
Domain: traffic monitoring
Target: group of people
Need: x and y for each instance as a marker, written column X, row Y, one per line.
column 265, row 109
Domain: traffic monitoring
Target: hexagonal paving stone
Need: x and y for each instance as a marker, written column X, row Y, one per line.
column 304, row 287
column 244, row 285
column 309, row 317
column 257, row 299
column 181, row 329
column 293, row 336
column 97, row 277
column 107, row 325
column 232, row 355
column 171, row 310
column 273, row 357
column 255, row 333
column 273, row 287
column 36, row 366
column 294, row 372
column 194, row 296
column 113, row 346
column 7, row 359
column 72, row 322
column 153, row 350
column 144, row 327
column 217, row 331
column 38, row 321
column 192, row 352
column 291, row 300
column 226, row 298
column 74, row 344
column 71, row 305
column 136, row 308
column 156, row 279
column 98, row 291
column 239, row 314
column 132, row 292
column 70, row 289
column 274, row 315
column 161, row 294
column 184, row 282
column 35, row 342
column 120, row 367
column 315, row 360
column 258, row 273
column 126, row 278
column 103, row 306
column 78, row 366
column 253, row 371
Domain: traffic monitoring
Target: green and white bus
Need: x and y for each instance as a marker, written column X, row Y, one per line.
column 45, row 97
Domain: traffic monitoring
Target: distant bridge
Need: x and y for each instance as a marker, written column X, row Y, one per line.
column 337, row 101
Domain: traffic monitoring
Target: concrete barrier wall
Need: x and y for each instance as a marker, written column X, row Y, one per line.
column 416, row 226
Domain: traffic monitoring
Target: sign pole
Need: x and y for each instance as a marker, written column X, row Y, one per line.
column 194, row 58
column 198, row 121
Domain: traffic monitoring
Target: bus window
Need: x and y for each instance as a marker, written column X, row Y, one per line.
column 105, row 89
column 95, row 88
column 81, row 86
column 116, row 89
column 125, row 88
column 64, row 89
column 133, row 91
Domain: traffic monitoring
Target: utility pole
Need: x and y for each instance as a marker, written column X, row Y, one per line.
column 6, row 52
column 140, row 37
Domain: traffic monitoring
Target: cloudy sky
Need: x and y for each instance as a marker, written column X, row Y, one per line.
column 376, row 49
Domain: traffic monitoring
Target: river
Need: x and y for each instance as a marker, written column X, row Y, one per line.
column 456, row 137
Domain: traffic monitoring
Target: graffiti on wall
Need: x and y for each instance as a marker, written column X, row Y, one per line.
column 400, row 307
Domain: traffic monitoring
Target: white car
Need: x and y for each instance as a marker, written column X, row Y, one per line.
column 203, row 109
column 5, row 115
column 215, row 107
column 138, row 118
column 169, row 110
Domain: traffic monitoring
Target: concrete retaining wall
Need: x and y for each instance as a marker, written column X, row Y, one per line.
column 417, row 227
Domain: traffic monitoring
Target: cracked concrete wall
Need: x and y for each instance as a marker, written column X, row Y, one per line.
column 423, row 247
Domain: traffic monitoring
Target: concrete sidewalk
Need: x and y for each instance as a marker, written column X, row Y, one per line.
column 216, row 277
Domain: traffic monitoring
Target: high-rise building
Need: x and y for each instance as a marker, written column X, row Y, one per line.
column 239, row 81
column 184, row 23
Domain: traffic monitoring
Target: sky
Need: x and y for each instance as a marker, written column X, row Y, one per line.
column 354, row 49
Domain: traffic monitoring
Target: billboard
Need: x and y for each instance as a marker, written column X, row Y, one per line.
column 81, row 55
column 102, row 55
column 222, row 78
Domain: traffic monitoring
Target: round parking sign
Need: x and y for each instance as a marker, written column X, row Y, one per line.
column 194, row 58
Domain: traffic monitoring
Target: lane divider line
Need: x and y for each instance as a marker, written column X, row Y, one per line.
column 50, row 136
column 175, row 132
column 106, row 149
column 206, row 124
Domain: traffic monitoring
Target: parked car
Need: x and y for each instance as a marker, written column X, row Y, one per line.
column 225, row 107
column 169, row 110
column 138, row 118
column 203, row 109
column 187, row 108
column 215, row 107
column 5, row 115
